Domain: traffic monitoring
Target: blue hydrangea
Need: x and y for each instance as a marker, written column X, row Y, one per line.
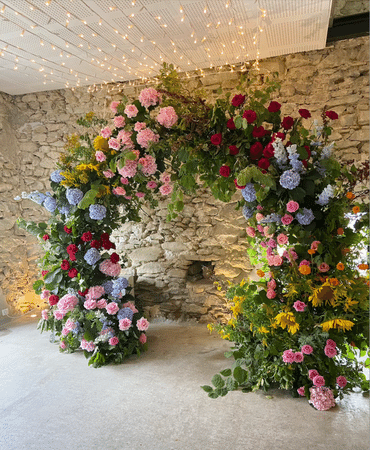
column 74, row 196
column 279, row 152
column 249, row 193
column 92, row 256
column 290, row 179
column 247, row 212
column 50, row 204
column 108, row 286
column 295, row 162
column 306, row 217
column 97, row 212
column 325, row 195
column 35, row 196
column 77, row 329
column 271, row 218
column 64, row 210
column 125, row 313
column 57, row 177
column 121, row 283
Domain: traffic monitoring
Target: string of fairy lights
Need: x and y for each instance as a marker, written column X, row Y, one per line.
column 137, row 64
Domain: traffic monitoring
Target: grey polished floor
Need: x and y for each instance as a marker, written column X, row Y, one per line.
column 52, row 401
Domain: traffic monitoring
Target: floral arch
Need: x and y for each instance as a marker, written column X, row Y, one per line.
column 299, row 325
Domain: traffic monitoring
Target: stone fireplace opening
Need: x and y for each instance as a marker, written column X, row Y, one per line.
column 200, row 270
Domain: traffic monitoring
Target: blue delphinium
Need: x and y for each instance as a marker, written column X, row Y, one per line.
column 247, row 212
column 50, row 204
column 306, row 217
column 125, row 313
column 74, row 196
column 325, row 195
column 249, row 193
column 92, row 256
column 97, row 212
column 290, row 179
column 57, row 177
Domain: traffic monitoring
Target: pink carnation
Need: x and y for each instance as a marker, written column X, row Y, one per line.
column 95, row 292
column 287, row 219
column 113, row 340
column 131, row 111
column 151, row 185
column 319, row 380
column 282, row 239
column 301, row 391
column 106, row 132
column 341, row 381
column 112, row 308
column 251, row 232
column 44, row 314
column 292, row 206
column 298, row 357
column 90, row 304
column 102, row 303
column 119, row 121
column 149, row 97
column 145, row 137
column 67, row 303
column 108, row 173
column 142, row 338
column 307, row 349
column 99, row 156
column 140, row 194
column 45, row 294
column 299, row 306
column 323, row 267
column 119, row 190
column 166, row 189
column 315, row 245
column 330, row 352
column 167, row 117
column 312, row 374
column 139, row 126
column 109, row 268
column 124, row 180
column 113, row 106
column 331, row 343
column 270, row 293
column 288, row 356
column 142, row 324
column 124, row 324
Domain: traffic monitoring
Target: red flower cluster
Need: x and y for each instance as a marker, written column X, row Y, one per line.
column 250, row 116
column 86, row 237
column 256, row 151
column 53, row 300
column 287, row 122
column 114, row 258
column 72, row 249
column 233, row 150
column 274, row 107
column 83, row 293
column 225, row 171
column 46, row 237
column 304, row 113
column 73, row 273
column 65, row 264
column 67, row 230
column 216, row 139
column 105, row 242
column 44, row 272
column 230, row 124
column 238, row 100
column 332, row 115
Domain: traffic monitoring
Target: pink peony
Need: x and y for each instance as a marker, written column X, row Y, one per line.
column 44, row 314
column 166, row 189
column 112, row 308
column 125, row 138
column 113, row 340
column 330, row 352
column 114, row 144
column 307, row 349
column 149, row 97
column 292, row 206
column 145, row 137
column 67, row 303
column 331, row 343
column 142, row 324
column 341, row 381
column 323, row 267
column 95, row 292
column 124, row 324
column 106, row 132
column 109, row 268
column 108, row 173
column 287, row 219
column 99, row 156
column 270, row 293
column 298, row 357
column 131, row 111
column 301, row 391
column 282, row 239
column 90, row 304
column 319, row 380
column 315, row 245
column 321, row 398
column 139, row 126
column 288, row 356
column 119, row 190
column 151, row 185
column 251, row 232
column 312, row 374
column 102, row 303
column 167, row 117
column 119, row 121
column 113, row 106
column 299, row 306
column 142, row 339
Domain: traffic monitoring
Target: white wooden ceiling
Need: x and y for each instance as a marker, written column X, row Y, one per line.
column 53, row 44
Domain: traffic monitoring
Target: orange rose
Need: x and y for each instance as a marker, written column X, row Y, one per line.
column 334, row 281
column 340, row 231
column 260, row 273
column 356, row 209
column 311, row 251
column 340, row 266
column 350, row 195
column 305, row 270
column 363, row 266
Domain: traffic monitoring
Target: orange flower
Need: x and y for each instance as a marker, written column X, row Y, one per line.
column 334, row 281
column 305, row 270
column 311, row 251
column 350, row 195
column 363, row 266
column 356, row 209
column 345, row 251
column 260, row 273
column 340, row 266
column 340, row 231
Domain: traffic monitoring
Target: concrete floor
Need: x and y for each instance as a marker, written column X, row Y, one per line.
column 53, row 401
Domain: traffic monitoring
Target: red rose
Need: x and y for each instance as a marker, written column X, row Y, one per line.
column 274, row 107
column 304, row 162
column 53, row 300
column 73, row 273
column 67, row 230
column 256, row 151
column 237, row 186
column 263, row 163
column 86, row 237
column 233, row 150
column 308, row 150
column 287, row 122
column 258, row 132
column 268, row 151
column 72, row 248
column 225, row 171
column 250, row 115
column 65, row 265
column 216, row 139
column 72, row 256
column 114, row 258
column 46, row 237
column 107, row 245
column 280, row 135
column 95, row 244
column 304, row 113
column 238, row 100
column 230, row 124
column 83, row 293
column 44, row 272
column 332, row 115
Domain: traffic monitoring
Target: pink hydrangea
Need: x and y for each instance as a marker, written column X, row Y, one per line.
column 124, row 324
column 299, row 306
column 312, row 374
column 109, row 268
column 62, row 345
column 323, row 267
column 288, row 356
column 341, row 381
column 321, row 398
column 131, row 306
column 330, row 352
column 282, row 239
column 286, row 219
column 145, row 137
column 125, row 138
column 270, row 293
column 319, row 380
column 70, row 325
column 65, row 331
column 45, row 294
column 119, row 121
column 301, row 391
column 271, row 284
column 298, row 357
column 112, row 308
column 251, row 232
column 113, row 340
column 315, row 245
column 167, row 117
column 95, row 292
column 89, row 346
column 331, row 343
column 129, row 169
column 139, row 126
column 90, row 304
column 106, row 132
column 292, row 206
column 114, row 144
column 102, row 303
column 100, row 156
column 149, row 165
column 131, row 111
column 142, row 324
column 113, row 106
column 142, row 338
column 278, row 260
column 151, row 185
column 108, row 173
column 44, row 314
column 58, row 315
column 149, row 97
column 307, row 349
column 166, row 189
column 67, row 303
column 119, row 190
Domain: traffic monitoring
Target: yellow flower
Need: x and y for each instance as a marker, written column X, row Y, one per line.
column 349, row 303
column 226, row 336
column 82, row 167
column 210, row 326
column 231, row 323
column 101, row 143
column 334, row 281
column 242, row 283
column 287, row 320
column 251, row 326
column 338, row 324
column 89, row 116
column 324, row 292
column 264, row 342
column 263, row 330
column 236, row 309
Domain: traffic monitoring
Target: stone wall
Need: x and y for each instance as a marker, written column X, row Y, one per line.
column 34, row 127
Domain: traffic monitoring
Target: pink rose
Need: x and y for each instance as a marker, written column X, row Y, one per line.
column 287, row 219
column 112, row 308
column 142, row 324
column 307, row 349
column 142, row 340
column 288, row 356
column 165, row 177
column 278, row 260
column 312, row 374
column 282, row 239
column 102, row 303
column 90, row 304
column 299, row 306
column 271, row 284
column 58, row 315
column 124, row 324
column 260, row 228
column 298, row 357
column 108, row 173
column 319, row 380
column 259, row 217
column 140, row 194
column 272, row 243
column 341, row 381
column 151, row 185
column 251, row 232
column 323, row 267
column 113, row 106
column 118, row 190
column 166, row 189
column 124, row 181
column 99, row 156
column 315, row 245
column 106, row 132
column 113, row 340
column 292, row 206
column 330, row 352
column 331, row 343
column 270, row 294
column 131, row 111
column 301, row 391
column 119, row 121
column 62, row 345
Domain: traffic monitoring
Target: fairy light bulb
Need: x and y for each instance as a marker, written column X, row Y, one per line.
column 2, row 10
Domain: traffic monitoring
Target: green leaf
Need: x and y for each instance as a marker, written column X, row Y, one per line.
column 207, row 388
column 231, row 384
column 238, row 122
column 240, row 375
column 37, row 286
column 225, row 372
column 213, row 395
column 88, row 198
column 218, row 381
column 113, row 165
